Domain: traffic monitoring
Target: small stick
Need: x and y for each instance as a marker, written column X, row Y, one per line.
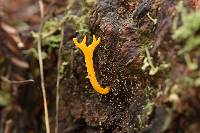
column 41, row 67
column 16, row 82
column 58, row 78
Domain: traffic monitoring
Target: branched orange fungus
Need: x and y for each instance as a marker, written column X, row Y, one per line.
column 88, row 53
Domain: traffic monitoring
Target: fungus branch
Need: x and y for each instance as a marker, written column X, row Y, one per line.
column 88, row 53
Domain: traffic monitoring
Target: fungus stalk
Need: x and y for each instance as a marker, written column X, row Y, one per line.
column 88, row 53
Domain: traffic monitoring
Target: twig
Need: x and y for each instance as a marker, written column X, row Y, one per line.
column 41, row 67
column 15, row 82
column 58, row 78
column 62, row 24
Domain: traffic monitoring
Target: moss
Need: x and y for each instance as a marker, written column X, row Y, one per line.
column 51, row 32
column 52, row 27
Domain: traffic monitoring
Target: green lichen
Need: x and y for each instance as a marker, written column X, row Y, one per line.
column 197, row 82
column 148, row 64
column 146, row 113
column 188, row 29
column 63, row 67
column 187, row 82
column 5, row 98
column 192, row 64
column 155, row 21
